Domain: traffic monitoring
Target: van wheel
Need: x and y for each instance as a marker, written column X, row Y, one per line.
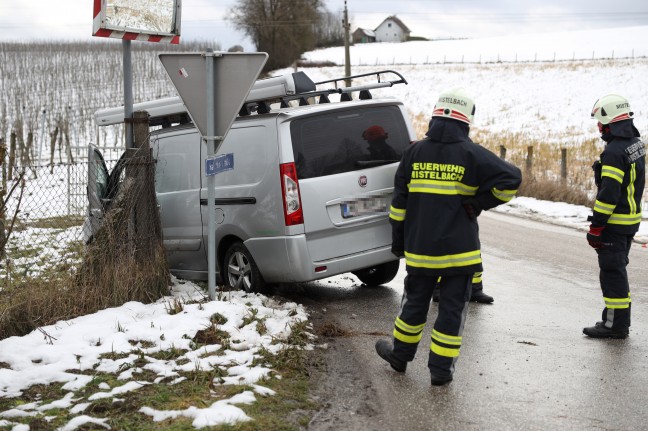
column 240, row 270
column 377, row 275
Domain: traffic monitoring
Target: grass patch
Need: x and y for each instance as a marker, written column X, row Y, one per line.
column 289, row 409
column 57, row 222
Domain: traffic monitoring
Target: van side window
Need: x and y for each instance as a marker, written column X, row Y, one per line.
column 345, row 141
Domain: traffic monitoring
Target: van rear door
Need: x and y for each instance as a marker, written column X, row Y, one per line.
column 346, row 160
column 177, row 185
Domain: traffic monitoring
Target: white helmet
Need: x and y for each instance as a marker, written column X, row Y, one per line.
column 611, row 108
column 455, row 104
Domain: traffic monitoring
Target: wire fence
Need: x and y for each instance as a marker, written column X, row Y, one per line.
column 424, row 57
column 44, row 218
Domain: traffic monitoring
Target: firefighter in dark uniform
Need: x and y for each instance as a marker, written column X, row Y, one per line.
column 441, row 185
column 619, row 175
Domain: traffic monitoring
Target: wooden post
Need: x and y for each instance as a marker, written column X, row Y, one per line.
column 53, row 137
column 502, row 152
column 12, row 154
column 146, row 221
column 529, row 159
column 563, row 165
column 3, row 191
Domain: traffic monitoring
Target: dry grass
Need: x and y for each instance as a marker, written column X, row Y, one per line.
column 541, row 162
column 125, row 262
column 29, row 303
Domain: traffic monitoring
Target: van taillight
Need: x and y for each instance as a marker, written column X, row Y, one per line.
column 290, row 190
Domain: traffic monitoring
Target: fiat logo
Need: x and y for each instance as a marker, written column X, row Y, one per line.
column 362, row 181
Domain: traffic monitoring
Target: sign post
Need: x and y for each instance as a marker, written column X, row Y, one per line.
column 213, row 87
column 147, row 20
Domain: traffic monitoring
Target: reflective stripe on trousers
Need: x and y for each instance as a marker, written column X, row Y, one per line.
column 613, row 276
column 446, row 334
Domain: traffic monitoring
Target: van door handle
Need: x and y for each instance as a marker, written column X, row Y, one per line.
column 231, row 201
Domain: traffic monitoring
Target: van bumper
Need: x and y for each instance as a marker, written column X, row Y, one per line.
column 287, row 260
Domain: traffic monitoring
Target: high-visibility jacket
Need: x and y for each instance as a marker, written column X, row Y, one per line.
column 434, row 178
column 620, row 176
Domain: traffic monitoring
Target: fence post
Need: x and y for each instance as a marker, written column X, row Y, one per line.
column 12, row 153
column 563, row 165
column 3, row 153
column 529, row 159
column 502, row 152
column 68, row 167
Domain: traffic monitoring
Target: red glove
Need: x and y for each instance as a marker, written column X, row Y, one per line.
column 594, row 236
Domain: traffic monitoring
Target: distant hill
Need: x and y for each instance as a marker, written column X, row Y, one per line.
column 624, row 42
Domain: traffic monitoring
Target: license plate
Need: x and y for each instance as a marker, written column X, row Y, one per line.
column 365, row 206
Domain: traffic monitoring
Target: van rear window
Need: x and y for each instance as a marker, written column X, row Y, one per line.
column 344, row 141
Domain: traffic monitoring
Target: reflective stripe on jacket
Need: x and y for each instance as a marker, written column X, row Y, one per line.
column 433, row 179
column 620, row 179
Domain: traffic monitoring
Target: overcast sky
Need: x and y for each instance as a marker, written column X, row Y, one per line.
column 206, row 19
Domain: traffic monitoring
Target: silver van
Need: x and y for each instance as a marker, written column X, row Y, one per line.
column 308, row 193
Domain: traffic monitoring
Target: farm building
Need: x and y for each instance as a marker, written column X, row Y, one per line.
column 363, row 35
column 392, row 29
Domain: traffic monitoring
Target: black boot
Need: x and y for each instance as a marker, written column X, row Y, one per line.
column 440, row 380
column 386, row 351
column 478, row 295
column 600, row 331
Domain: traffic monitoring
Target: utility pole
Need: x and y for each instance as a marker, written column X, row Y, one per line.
column 347, row 54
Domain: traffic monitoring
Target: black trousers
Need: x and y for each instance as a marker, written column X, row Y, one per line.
column 446, row 336
column 613, row 260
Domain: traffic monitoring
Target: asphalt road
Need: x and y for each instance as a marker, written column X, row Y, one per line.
column 524, row 363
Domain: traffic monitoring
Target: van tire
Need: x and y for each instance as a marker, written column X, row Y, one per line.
column 241, row 272
column 378, row 275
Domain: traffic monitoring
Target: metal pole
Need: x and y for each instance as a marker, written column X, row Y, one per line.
column 347, row 53
column 211, row 179
column 69, row 189
column 128, row 92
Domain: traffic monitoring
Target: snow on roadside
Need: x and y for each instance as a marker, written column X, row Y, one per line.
column 60, row 353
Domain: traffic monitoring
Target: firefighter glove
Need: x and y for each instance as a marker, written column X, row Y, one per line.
column 472, row 207
column 594, row 236
column 398, row 250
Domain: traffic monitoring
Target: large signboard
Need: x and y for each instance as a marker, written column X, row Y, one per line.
column 145, row 20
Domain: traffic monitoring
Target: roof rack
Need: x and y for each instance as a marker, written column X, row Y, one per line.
column 264, row 93
column 263, row 106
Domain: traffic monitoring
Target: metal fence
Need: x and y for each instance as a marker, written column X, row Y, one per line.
column 44, row 218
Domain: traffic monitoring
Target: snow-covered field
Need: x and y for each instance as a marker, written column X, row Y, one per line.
column 544, row 99
column 550, row 102
column 604, row 43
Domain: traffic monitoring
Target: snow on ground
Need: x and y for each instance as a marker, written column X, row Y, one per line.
column 546, row 102
column 60, row 353
column 603, row 43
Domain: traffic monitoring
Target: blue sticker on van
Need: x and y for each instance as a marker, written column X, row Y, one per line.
column 217, row 164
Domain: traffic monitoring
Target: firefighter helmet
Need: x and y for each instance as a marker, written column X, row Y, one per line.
column 455, row 104
column 611, row 108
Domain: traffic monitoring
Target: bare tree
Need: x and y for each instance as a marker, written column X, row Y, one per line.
column 283, row 28
column 330, row 31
